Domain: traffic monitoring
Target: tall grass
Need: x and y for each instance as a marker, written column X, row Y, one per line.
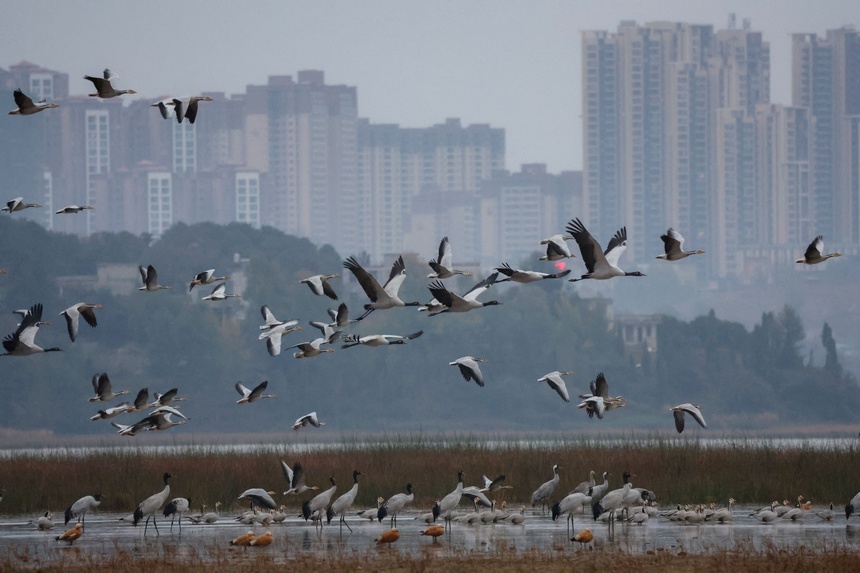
column 677, row 471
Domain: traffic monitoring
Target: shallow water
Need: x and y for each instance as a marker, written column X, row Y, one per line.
column 107, row 537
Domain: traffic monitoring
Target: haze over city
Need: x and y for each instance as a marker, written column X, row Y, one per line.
column 512, row 64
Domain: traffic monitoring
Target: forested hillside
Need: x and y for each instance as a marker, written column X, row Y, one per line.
column 742, row 380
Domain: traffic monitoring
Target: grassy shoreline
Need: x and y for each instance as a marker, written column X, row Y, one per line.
column 678, row 472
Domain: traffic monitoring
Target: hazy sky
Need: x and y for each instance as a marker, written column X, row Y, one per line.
column 510, row 63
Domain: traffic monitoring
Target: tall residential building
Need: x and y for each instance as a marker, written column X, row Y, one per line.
column 826, row 80
column 403, row 173
column 656, row 98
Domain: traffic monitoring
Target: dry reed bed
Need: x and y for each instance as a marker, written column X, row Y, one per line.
column 215, row 559
column 675, row 471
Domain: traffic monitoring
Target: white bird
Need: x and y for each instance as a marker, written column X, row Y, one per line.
column 379, row 339
column 165, row 107
column 545, row 491
column 259, row 497
column 103, row 86
column 395, row 504
column 340, row 317
column 249, row 395
column 186, row 108
column 599, row 490
column 141, row 401
column 207, row 517
column 44, row 522
column 103, row 389
column 318, row 505
column 342, row 504
column 826, row 514
column 167, row 398
column 381, row 297
column 569, row 505
column 150, row 279
column 691, row 409
column 476, row 495
column 586, row 486
column 220, row 293
column 373, row 511
column 177, row 506
column 159, row 419
column 452, row 500
column 207, row 277
column 767, row 515
column 492, row 485
column 27, row 107
column 469, row 301
column 524, row 277
column 311, row 419
column 554, row 381
column 22, row 341
column 815, row 253
column 319, row 285
column 296, row 478
column 74, row 312
column 443, row 266
column 673, row 245
column 518, row 518
column 852, row 506
column 600, row 265
column 470, row 369
column 275, row 334
column 111, row 412
column 271, row 321
column 71, row 209
column 80, row 508
column 599, row 401
column 613, row 501
column 556, row 248
column 18, row 204
column 150, row 506
column 723, row 514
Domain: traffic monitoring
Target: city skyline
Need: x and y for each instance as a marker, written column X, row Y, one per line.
column 510, row 65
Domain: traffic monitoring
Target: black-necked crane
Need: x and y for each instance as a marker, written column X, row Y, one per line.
column 544, row 492
column 108, row 413
column 150, row 506
column 18, row 204
column 687, row 408
column 308, row 420
column 103, row 388
column 452, row 500
column 259, row 497
column 319, row 285
column 525, row 277
column 26, row 105
column 72, row 209
column 220, row 293
column 395, row 504
column 673, row 247
column 74, row 312
column 316, row 508
column 469, row 301
column 71, row 535
column 378, row 339
column 554, row 381
column 150, row 279
column 80, row 508
column 825, row 514
column 612, row 502
column 556, row 248
column 599, row 401
column 443, row 266
column 381, row 297
column 470, row 369
column 569, row 505
column 103, row 86
column 296, row 478
column 815, row 253
column 22, row 341
column 177, row 506
column 601, row 265
column 186, row 107
column 249, row 395
column 342, row 504
column 208, row 277
column 852, row 506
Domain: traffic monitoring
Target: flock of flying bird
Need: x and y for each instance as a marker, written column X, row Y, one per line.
column 600, row 264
